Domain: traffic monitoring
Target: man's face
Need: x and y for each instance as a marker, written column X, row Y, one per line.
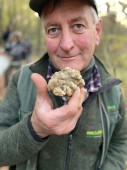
column 71, row 35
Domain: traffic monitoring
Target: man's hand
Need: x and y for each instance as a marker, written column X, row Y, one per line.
column 46, row 120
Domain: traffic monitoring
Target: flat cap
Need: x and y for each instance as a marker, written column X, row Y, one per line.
column 37, row 5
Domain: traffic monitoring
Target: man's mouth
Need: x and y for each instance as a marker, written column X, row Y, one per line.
column 68, row 56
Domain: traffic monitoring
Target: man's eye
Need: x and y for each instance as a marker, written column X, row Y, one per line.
column 53, row 32
column 79, row 28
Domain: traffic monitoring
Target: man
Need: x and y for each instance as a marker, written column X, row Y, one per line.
column 38, row 130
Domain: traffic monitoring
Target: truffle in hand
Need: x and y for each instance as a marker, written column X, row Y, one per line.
column 65, row 82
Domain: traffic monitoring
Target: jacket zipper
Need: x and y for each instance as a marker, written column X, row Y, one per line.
column 70, row 145
column 69, row 149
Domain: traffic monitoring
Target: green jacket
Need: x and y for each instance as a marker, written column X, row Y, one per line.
column 18, row 147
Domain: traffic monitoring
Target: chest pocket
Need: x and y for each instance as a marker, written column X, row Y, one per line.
column 111, row 104
column 92, row 132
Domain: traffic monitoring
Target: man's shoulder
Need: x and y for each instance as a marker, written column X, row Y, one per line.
column 40, row 65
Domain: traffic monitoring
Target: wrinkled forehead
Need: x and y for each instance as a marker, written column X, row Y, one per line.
column 50, row 6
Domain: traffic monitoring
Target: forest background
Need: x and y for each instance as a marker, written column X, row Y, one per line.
column 113, row 46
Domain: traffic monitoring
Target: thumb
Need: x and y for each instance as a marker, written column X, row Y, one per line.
column 42, row 94
column 40, row 83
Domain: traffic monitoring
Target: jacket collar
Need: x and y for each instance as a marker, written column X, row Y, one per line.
column 41, row 66
column 107, row 80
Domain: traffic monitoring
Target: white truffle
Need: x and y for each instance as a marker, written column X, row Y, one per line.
column 65, row 82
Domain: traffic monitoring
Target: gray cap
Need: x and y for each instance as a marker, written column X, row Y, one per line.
column 37, row 5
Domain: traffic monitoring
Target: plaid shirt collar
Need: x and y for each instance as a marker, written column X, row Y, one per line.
column 92, row 85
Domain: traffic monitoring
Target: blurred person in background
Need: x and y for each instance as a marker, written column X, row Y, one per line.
column 7, row 33
column 14, row 47
column 18, row 48
column 18, row 51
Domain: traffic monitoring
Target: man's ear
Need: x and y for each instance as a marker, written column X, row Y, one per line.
column 99, row 29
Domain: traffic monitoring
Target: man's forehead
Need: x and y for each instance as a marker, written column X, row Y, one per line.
column 71, row 13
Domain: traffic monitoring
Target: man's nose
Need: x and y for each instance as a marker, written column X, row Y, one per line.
column 66, row 42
